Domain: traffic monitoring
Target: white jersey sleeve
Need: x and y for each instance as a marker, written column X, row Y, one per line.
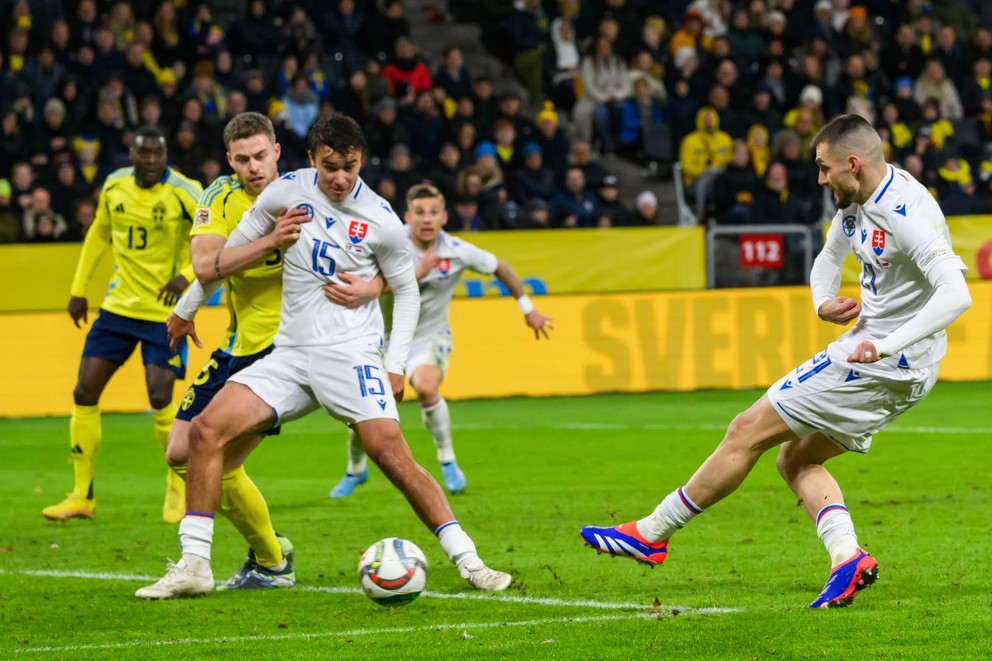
column 393, row 257
column 824, row 277
column 194, row 298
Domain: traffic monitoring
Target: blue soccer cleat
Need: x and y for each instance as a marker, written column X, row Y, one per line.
column 846, row 580
column 251, row 575
column 624, row 541
column 453, row 476
column 348, row 483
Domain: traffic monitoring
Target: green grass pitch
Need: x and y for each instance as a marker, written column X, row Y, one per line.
column 735, row 586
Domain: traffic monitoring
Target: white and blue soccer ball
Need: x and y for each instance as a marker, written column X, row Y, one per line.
column 393, row 572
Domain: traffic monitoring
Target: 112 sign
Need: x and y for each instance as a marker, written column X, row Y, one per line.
column 761, row 251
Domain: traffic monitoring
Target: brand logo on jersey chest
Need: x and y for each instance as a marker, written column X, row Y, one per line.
column 357, row 231
column 877, row 241
column 848, row 226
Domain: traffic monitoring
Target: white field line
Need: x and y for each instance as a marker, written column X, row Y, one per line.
column 464, row 626
column 662, row 426
column 474, row 596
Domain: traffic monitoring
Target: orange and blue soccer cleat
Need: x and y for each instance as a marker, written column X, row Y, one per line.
column 625, row 542
column 846, row 580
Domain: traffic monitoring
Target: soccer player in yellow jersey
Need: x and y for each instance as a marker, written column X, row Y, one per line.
column 144, row 215
column 254, row 295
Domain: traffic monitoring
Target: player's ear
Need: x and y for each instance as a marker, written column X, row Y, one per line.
column 277, row 148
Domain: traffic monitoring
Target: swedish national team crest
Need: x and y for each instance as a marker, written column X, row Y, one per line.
column 848, row 226
column 357, row 231
column 878, row 241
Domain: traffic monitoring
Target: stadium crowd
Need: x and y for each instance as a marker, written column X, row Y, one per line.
column 733, row 92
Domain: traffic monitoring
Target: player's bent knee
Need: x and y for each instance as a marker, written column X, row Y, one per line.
column 160, row 400
column 203, row 435
column 177, row 454
column 83, row 396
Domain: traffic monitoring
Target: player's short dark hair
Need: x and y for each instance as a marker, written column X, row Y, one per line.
column 841, row 129
column 245, row 125
column 149, row 133
column 424, row 191
column 339, row 132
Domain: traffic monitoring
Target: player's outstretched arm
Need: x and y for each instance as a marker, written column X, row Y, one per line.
column 532, row 316
column 95, row 246
column 354, row 292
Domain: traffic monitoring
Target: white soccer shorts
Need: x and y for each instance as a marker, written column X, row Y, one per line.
column 434, row 351
column 348, row 381
column 848, row 402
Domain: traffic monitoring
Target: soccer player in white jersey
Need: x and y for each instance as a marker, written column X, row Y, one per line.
column 326, row 356
column 442, row 259
column 912, row 288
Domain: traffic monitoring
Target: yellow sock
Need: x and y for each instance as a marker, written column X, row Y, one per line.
column 84, row 439
column 242, row 503
column 162, row 420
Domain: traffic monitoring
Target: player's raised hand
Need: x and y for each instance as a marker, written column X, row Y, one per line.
column 170, row 292
column 355, row 292
column 839, row 310
column 539, row 323
column 865, row 352
column 427, row 263
column 398, row 386
column 178, row 328
column 78, row 309
column 287, row 229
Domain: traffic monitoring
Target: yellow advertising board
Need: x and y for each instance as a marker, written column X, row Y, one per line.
column 601, row 343
column 548, row 262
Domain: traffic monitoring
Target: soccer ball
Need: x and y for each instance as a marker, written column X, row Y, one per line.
column 393, row 572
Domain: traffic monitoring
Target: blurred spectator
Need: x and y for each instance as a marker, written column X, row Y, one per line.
column 941, row 130
column 91, row 172
column 903, row 57
column 83, row 217
column 509, row 107
column 10, row 221
column 690, row 34
column 909, row 110
column 137, row 78
column 933, row 82
column 254, row 34
column 707, row 149
column 452, row 76
column 505, row 144
column 534, row 179
column 212, row 96
column 444, row 173
column 534, row 215
column 561, row 64
column 399, row 175
column 551, row 138
column 733, row 189
column 346, row 31
column 581, row 156
column 605, row 86
column 383, row 130
column 640, row 114
column 745, row 43
column 51, row 136
column 956, row 188
column 575, row 206
column 22, row 182
column 67, row 190
column 389, row 25
column 951, row 54
column 300, row 33
column 464, row 216
column 976, row 92
column 759, row 146
column 302, row 104
column 680, row 111
column 611, row 210
column 774, row 204
column 424, row 126
column 528, row 31
column 858, row 34
column 39, row 222
column 406, row 73
column 646, row 211
column 354, row 99
column 255, row 92
column 801, row 173
column 186, row 151
column 42, row 74
column 13, row 141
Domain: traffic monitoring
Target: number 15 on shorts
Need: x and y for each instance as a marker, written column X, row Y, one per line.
column 368, row 382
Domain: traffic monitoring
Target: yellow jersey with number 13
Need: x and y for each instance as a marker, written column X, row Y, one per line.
column 254, row 295
column 148, row 230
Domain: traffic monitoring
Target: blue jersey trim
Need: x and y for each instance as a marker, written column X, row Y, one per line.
column 357, row 190
column 892, row 174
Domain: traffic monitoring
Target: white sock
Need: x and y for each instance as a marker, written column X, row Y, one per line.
column 457, row 545
column 672, row 514
column 836, row 530
column 356, row 455
column 438, row 422
column 196, row 533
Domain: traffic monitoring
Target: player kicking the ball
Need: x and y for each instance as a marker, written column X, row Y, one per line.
column 442, row 259
column 913, row 287
column 326, row 356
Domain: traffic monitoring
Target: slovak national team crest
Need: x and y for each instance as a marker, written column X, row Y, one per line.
column 444, row 266
column 848, row 226
column 357, row 231
column 878, row 241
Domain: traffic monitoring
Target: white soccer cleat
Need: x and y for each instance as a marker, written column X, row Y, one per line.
column 481, row 577
column 190, row 577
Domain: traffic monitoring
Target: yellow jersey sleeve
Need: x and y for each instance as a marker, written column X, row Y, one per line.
column 149, row 230
column 95, row 246
column 254, row 295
